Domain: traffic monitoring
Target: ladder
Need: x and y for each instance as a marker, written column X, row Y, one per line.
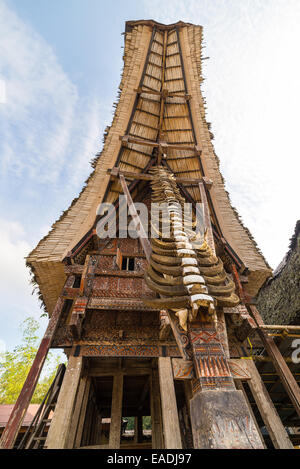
column 36, row 434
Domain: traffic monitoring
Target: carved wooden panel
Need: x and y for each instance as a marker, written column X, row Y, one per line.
column 182, row 369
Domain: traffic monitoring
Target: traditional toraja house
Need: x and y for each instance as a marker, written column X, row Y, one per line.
column 155, row 325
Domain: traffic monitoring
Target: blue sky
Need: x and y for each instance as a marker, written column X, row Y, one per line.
column 61, row 62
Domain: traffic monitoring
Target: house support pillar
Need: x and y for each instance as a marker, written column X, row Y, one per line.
column 116, row 412
column 171, row 426
column 78, row 417
column 221, row 420
column 267, row 409
column 156, row 417
column 59, row 429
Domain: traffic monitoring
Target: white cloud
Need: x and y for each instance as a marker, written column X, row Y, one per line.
column 45, row 124
column 253, row 101
column 17, row 301
column 49, row 132
column 14, row 277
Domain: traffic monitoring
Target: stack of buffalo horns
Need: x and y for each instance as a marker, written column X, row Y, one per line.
column 189, row 278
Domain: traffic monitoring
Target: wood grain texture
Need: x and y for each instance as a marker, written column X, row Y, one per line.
column 221, row 420
column 116, row 412
column 58, row 434
column 172, row 436
column 267, row 409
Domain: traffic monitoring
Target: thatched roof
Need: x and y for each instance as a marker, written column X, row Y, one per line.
column 138, row 115
column 279, row 299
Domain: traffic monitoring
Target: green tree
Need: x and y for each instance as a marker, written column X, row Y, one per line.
column 15, row 365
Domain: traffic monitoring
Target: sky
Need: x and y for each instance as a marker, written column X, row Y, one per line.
column 60, row 67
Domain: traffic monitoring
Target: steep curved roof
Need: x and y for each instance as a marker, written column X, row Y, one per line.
column 159, row 60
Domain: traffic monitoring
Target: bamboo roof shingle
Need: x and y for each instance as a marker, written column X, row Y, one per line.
column 159, row 60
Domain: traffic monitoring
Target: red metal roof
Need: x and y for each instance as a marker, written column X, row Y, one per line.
column 5, row 411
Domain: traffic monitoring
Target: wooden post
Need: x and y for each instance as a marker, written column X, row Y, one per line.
column 116, row 412
column 80, row 425
column 136, row 432
column 207, row 221
column 136, row 219
column 156, row 418
column 59, row 429
column 18, row 413
column 138, row 429
column 279, row 363
column 82, row 388
column 267, row 410
column 171, row 426
column 188, row 393
column 240, row 387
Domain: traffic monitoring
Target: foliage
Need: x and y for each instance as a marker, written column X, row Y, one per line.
column 15, row 365
column 146, row 423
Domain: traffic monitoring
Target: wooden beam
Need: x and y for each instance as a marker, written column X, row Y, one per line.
column 116, row 412
column 183, row 369
column 179, row 334
column 165, row 328
column 84, row 273
column 171, row 426
column 144, row 394
column 82, row 389
column 17, row 415
column 207, row 220
column 138, row 429
column 156, row 417
column 169, row 94
column 77, row 269
column 115, row 172
column 83, row 409
column 136, row 219
column 222, row 420
column 151, row 143
column 58, row 434
column 77, row 316
column 285, row 374
column 267, row 410
column 240, row 387
column 280, row 328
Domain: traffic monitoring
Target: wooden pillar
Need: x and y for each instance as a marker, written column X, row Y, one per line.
column 138, row 429
column 156, row 417
column 188, row 393
column 82, row 415
column 136, row 432
column 240, row 387
column 83, row 388
column 136, row 219
column 207, row 221
column 222, row 420
column 59, row 429
column 171, row 426
column 267, row 410
column 285, row 374
column 87, row 427
column 116, row 412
